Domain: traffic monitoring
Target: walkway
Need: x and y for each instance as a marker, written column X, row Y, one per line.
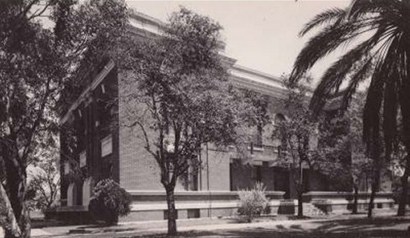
column 385, row 224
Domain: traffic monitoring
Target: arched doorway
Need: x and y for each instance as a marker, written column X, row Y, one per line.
column 72, row 194
column 86, row 191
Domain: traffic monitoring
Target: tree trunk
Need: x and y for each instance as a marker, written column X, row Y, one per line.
column 404, row 192
column 300, row 204
column 404, row 97
column 172, row 212
column 375, row 186
column 355, row 199
column 16, row 191
column 10, row 227
column 24, row 226
column 371, row 203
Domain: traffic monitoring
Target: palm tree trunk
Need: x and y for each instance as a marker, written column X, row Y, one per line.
column 405, row 112
column 172, row 212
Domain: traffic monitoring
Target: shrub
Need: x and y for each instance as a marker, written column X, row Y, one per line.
column 253, row 202
column 109, row 201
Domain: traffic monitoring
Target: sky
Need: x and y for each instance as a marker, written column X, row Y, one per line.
column 261, row 35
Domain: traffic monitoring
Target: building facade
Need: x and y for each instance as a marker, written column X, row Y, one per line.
column 95, row 145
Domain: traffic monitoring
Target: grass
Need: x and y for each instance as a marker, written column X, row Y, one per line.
column 356, row 228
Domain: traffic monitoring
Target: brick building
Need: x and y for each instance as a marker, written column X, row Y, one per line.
column 95, row 145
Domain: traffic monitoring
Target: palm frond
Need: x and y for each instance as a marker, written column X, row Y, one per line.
column 337, row 73
column 390, row 111
column 371, row 112
column 356, row 78
column 382, row 89
column 330, row 16
column 359, row 8
column 327, row 41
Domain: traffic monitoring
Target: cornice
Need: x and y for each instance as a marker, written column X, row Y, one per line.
column 94, row 84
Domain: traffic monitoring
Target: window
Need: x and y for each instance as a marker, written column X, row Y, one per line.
column 256, row 173
column 83, row 159
column 72, row 195
column 66, row 167
column 279, row 140
column 258, row 141
column 194, row 213
column 106, row 146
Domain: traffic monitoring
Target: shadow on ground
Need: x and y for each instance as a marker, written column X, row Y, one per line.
column 354, row 228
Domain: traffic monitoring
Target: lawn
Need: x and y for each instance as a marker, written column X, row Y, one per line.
column 353, row 228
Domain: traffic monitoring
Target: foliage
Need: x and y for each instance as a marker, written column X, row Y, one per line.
column 109, row 201
column 296, row 132
column 341, row 147
column 179, row 97
column 36, row 64
column 44, row 185
column 258, row 115
column 86, row 32
column 374, row 31
column 362, row 164
column 253, row 202
column 342, row 154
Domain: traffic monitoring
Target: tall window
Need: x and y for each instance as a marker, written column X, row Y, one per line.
column 106, row 146
column 66, row 167
column 83, row 159
column 256, row 173
column 279, row 140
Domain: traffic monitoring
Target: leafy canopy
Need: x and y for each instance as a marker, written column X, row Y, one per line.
column 181, row 81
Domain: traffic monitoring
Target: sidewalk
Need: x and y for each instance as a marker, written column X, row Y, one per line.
column 332, row 223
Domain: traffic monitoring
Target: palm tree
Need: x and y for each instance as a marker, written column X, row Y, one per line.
column 378, row 35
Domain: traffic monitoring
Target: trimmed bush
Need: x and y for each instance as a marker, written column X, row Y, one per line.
column 253, row 202
column 109, row 201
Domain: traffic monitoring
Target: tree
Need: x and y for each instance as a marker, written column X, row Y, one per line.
column 44, row 185
column 332, row 156
column 361, row 163
column 43, row 172
column 295, row 132
column 178, row 97
column 36, row 63
column 379, row 36
column 341, row 147
column 258, row 116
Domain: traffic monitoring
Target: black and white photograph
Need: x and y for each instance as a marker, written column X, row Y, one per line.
column 275, row 118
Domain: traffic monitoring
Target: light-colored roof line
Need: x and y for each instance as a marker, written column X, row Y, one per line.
column 144, row 17
column 135, row 15
column 256, row 72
